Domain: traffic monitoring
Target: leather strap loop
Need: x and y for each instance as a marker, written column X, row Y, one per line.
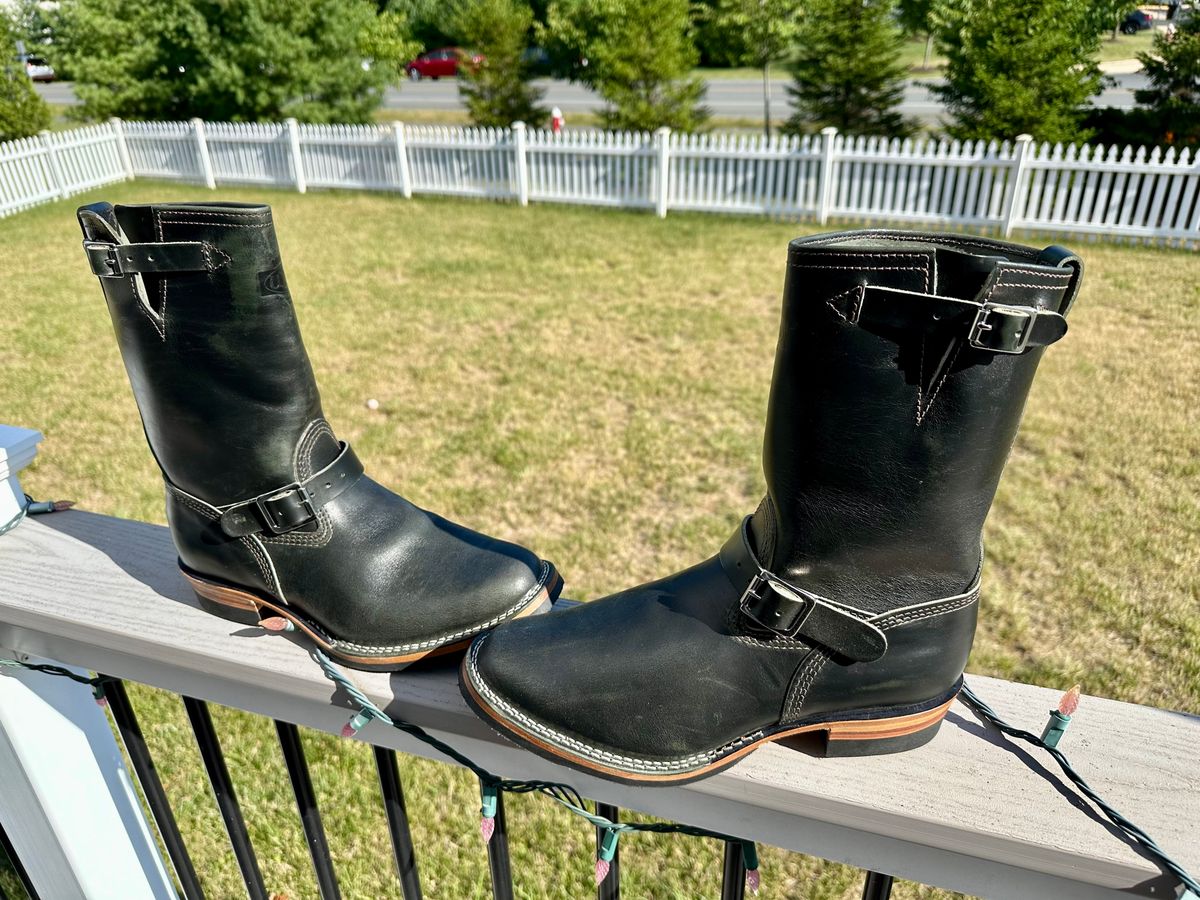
column 991, row 327
column 116, row 260
column 789, row 611
column 293, row 505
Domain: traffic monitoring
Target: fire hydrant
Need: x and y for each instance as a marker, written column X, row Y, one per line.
column 556, row 120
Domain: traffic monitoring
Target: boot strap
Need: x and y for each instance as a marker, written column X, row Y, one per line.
column 988, row 326
column 788, row 611
column 293, row 505
column 116, row 260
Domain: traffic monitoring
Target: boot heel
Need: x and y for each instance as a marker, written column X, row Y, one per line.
column 874, row 737
column 224, row 602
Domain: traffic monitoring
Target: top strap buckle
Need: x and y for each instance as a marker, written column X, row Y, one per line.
column 103, row 259
column 776, row 605
column 1002, row 329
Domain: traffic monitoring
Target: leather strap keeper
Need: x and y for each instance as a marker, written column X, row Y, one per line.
column 788, row 611
column 293, row 505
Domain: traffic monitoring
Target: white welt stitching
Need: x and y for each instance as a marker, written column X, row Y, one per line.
column 441, row 639
column 675, row 765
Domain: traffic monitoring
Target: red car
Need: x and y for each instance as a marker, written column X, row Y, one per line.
column 444, row 62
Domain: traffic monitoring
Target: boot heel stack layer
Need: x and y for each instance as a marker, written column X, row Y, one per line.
column 225, row 602
column 877, row 737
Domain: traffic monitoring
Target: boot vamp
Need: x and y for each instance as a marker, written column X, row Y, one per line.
column 655, row 671
column 392, row 573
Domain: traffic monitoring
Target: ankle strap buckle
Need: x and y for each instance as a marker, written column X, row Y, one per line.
column 1002, row 329
column 286, row 509
column 295, row 504
column 784, row 613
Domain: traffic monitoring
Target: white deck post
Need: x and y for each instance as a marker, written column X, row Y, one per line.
column 118, row 128
column 293, row 129
column 521, row 163
column 662, row 144
column 1015, row 192
column 206, row 169
column 56, row 172
column 825, row 202
column 402, row 159
column 68, row 803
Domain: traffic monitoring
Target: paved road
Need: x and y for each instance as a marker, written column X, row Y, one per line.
column 726, row 98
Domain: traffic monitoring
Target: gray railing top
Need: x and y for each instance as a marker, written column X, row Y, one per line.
column 969, row 811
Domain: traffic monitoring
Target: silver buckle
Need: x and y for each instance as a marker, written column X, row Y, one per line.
column 754, row 591
column 980, row 327
column 109, row 258
column 306, row 502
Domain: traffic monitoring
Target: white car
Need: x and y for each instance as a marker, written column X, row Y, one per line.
column 38, row 69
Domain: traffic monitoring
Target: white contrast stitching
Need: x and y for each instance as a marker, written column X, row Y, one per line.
column 686, row 762
column 441, row 639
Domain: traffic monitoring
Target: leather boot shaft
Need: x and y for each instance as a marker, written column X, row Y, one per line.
column 896, row 398
column 211, row 344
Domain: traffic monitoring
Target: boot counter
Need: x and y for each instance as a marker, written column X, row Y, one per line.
column 206, row 550
column 927, row 653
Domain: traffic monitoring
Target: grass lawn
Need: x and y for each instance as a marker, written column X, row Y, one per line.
column 593, row 383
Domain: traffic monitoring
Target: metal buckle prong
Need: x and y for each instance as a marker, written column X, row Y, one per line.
column 110, row 257
column 980, row 326
column 306, row 501
column 754, row 591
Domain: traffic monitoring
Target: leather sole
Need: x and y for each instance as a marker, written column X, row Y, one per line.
column 243, row 605
column 859, row 733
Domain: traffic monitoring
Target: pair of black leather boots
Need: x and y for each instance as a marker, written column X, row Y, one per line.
column 845, row 605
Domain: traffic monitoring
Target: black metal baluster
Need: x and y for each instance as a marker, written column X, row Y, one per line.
column 610, row 887
column 156, row 797
column 226, row 796
column 733, row 878
column 397, row 816
column 17, row 866
column 306, row 804
column 498, row 861
column 877, row 886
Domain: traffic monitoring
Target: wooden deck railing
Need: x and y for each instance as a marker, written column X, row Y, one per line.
column 970, row 811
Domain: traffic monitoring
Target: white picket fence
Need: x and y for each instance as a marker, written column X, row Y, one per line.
column 1009, row 186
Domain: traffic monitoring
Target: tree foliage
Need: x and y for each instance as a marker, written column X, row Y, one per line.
column 915, row 16
column 766, row 30
column 22, row 111
column 1107, row 15
column 1017, row 67
column 1172, row 99
column 847, row 72
column 637, row 54
column 498, row 91
column 747, row 32
column 234, row 60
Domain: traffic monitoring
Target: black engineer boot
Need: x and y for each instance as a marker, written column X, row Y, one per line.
column 846, row 604
column 270, row 513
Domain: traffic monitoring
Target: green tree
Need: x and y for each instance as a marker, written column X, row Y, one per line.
column 1172, row 99
column 637, row 54
column 767, row 30
column 498, row 91
column 234, row 60
column 427, row 21
column 1107, row 15
column 916, row 18
column 847, row 71
column 22, row 111
column 1017, row 67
